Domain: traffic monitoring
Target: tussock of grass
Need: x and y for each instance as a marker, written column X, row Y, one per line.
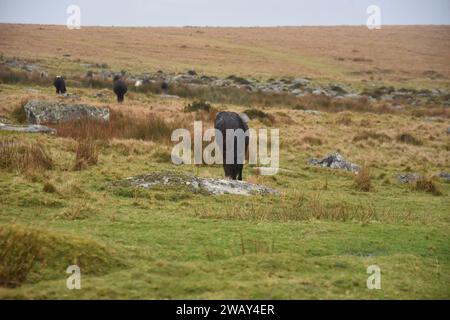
column 19, row 252
column 408, row 139
column 260, row 115
column 366, row 135
column 24, row 156
column 162, row 156
column 49, row 188
column 312, row 141
column 86, row 154
column 79, row 211
column 363, row 180
column 198, row 105
column 256, row 246
column 18, row 112
column 429, row 185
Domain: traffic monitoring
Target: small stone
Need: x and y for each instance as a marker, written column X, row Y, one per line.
column 445, row 176
column 408, row 177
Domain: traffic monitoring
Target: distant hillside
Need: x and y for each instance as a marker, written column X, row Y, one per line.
column 394, row 54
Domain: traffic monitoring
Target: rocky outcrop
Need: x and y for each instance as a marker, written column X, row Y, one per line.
column 32, row 128
column 335, row 161
column 38, row 112
column 195, row 184
column 299, row 86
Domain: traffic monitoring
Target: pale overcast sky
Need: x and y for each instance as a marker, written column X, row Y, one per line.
column 225, row 12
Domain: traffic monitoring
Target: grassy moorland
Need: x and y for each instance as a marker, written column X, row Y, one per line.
column 315, row 240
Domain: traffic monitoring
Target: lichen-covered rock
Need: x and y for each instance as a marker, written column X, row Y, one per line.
column 32, row 128
column 335, row 161
column 196, row 184
column 38, row 111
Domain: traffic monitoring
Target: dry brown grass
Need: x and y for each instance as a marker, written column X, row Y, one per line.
column 148, row 127
column 86, row 154
column 312, row 51
column 432, row 111
column 312, row 141
column 18, row 113
column 408, row 138
column 363, row 180
column 24, row 156
column 366, row 135
column 344, row 118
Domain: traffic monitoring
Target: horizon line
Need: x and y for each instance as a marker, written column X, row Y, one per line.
column 225, row 26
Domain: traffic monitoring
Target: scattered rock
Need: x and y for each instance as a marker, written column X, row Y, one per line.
column 312, row 112
column 396, row 107
column 319, row 92
column 297, row 92
column 297, row 86
column 335, row 161
column 408, row 177
column 353, row 96
column 68, row 95
column 32, row 91
column 38, row 111
column 195, row 184
column 300, row 82
column 337, row 89
column 32, row 128
column 445, row 176
column 103, row 93
column 448, row 130
column 168, row 96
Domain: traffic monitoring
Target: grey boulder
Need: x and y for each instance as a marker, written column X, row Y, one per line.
column 335, row 161
column 38, row 111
